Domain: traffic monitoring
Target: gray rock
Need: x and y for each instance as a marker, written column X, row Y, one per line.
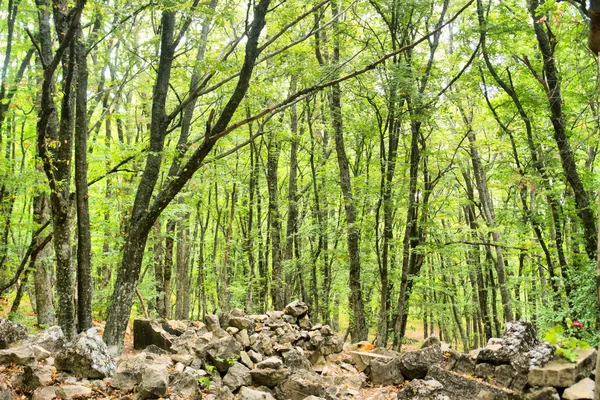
column 240, row 322
column 386, row 372
column 584, row 389
column 255, row 356
column 237, row 375
column 185, row 384
column 148, row 332
column 224, row 352
column 185, row 359
column 420, row 389
column 505, row 374
column 332, row 345
column 5, row 392
column 212, row 322
column 68, row 392
column 243, row 338
column 154, row 349
column 296, row 360
column 245, row 359
column 485, row 370
column 34, row 377
column 87, row 357
column 415, row 364
column 457, row 386
column 154, row 383
column 302, row 384
column 304, row 322
column 52, row 339
column 326, row 331
column 271, row 362
column 562, row 373
column 22, row 355
column 547, row 393
column 296, row 308
column 11, row 332
column 251, row 394
column 269, row 377
column 130, row 368
column 431, row 341
column 519, row 347
column 45, row 393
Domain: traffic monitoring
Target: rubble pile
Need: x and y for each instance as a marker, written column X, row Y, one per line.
column 280, row 355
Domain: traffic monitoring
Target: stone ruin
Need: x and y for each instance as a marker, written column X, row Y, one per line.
column 280, row 355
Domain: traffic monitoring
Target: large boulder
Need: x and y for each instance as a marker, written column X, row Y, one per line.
column 519, row 347
column 11, row 332
column 87, row 357
column 296, row 309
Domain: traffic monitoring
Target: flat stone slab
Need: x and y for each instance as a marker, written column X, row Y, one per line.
column 561, row 373
column 363, row 359
column 584, row 389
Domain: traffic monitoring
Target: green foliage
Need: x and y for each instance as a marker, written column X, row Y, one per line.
column 566, row 346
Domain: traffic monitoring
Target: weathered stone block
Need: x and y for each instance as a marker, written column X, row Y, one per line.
column 561, row 373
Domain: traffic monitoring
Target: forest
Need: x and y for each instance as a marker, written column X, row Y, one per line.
column 398, row 165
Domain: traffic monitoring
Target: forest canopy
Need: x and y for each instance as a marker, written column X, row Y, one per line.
column 397, row 165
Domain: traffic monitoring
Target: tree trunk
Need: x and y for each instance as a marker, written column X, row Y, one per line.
column 182, row 303
column 159, row 276
column 551, row 78
column 57, row 159
column 278, row 285
column 84, row 240
column 168, row 268
column 43, row 269
column 144, row 213
column 490, row 218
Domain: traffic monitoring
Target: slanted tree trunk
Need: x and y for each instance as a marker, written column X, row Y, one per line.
column 144, row 212
column 490, row 218
column 551, row 85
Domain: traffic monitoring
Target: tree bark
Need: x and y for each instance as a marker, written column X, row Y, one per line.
column 490, row 218
column 551, row 78
column 278, row 285
column 43, row 269
column 84, row 240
